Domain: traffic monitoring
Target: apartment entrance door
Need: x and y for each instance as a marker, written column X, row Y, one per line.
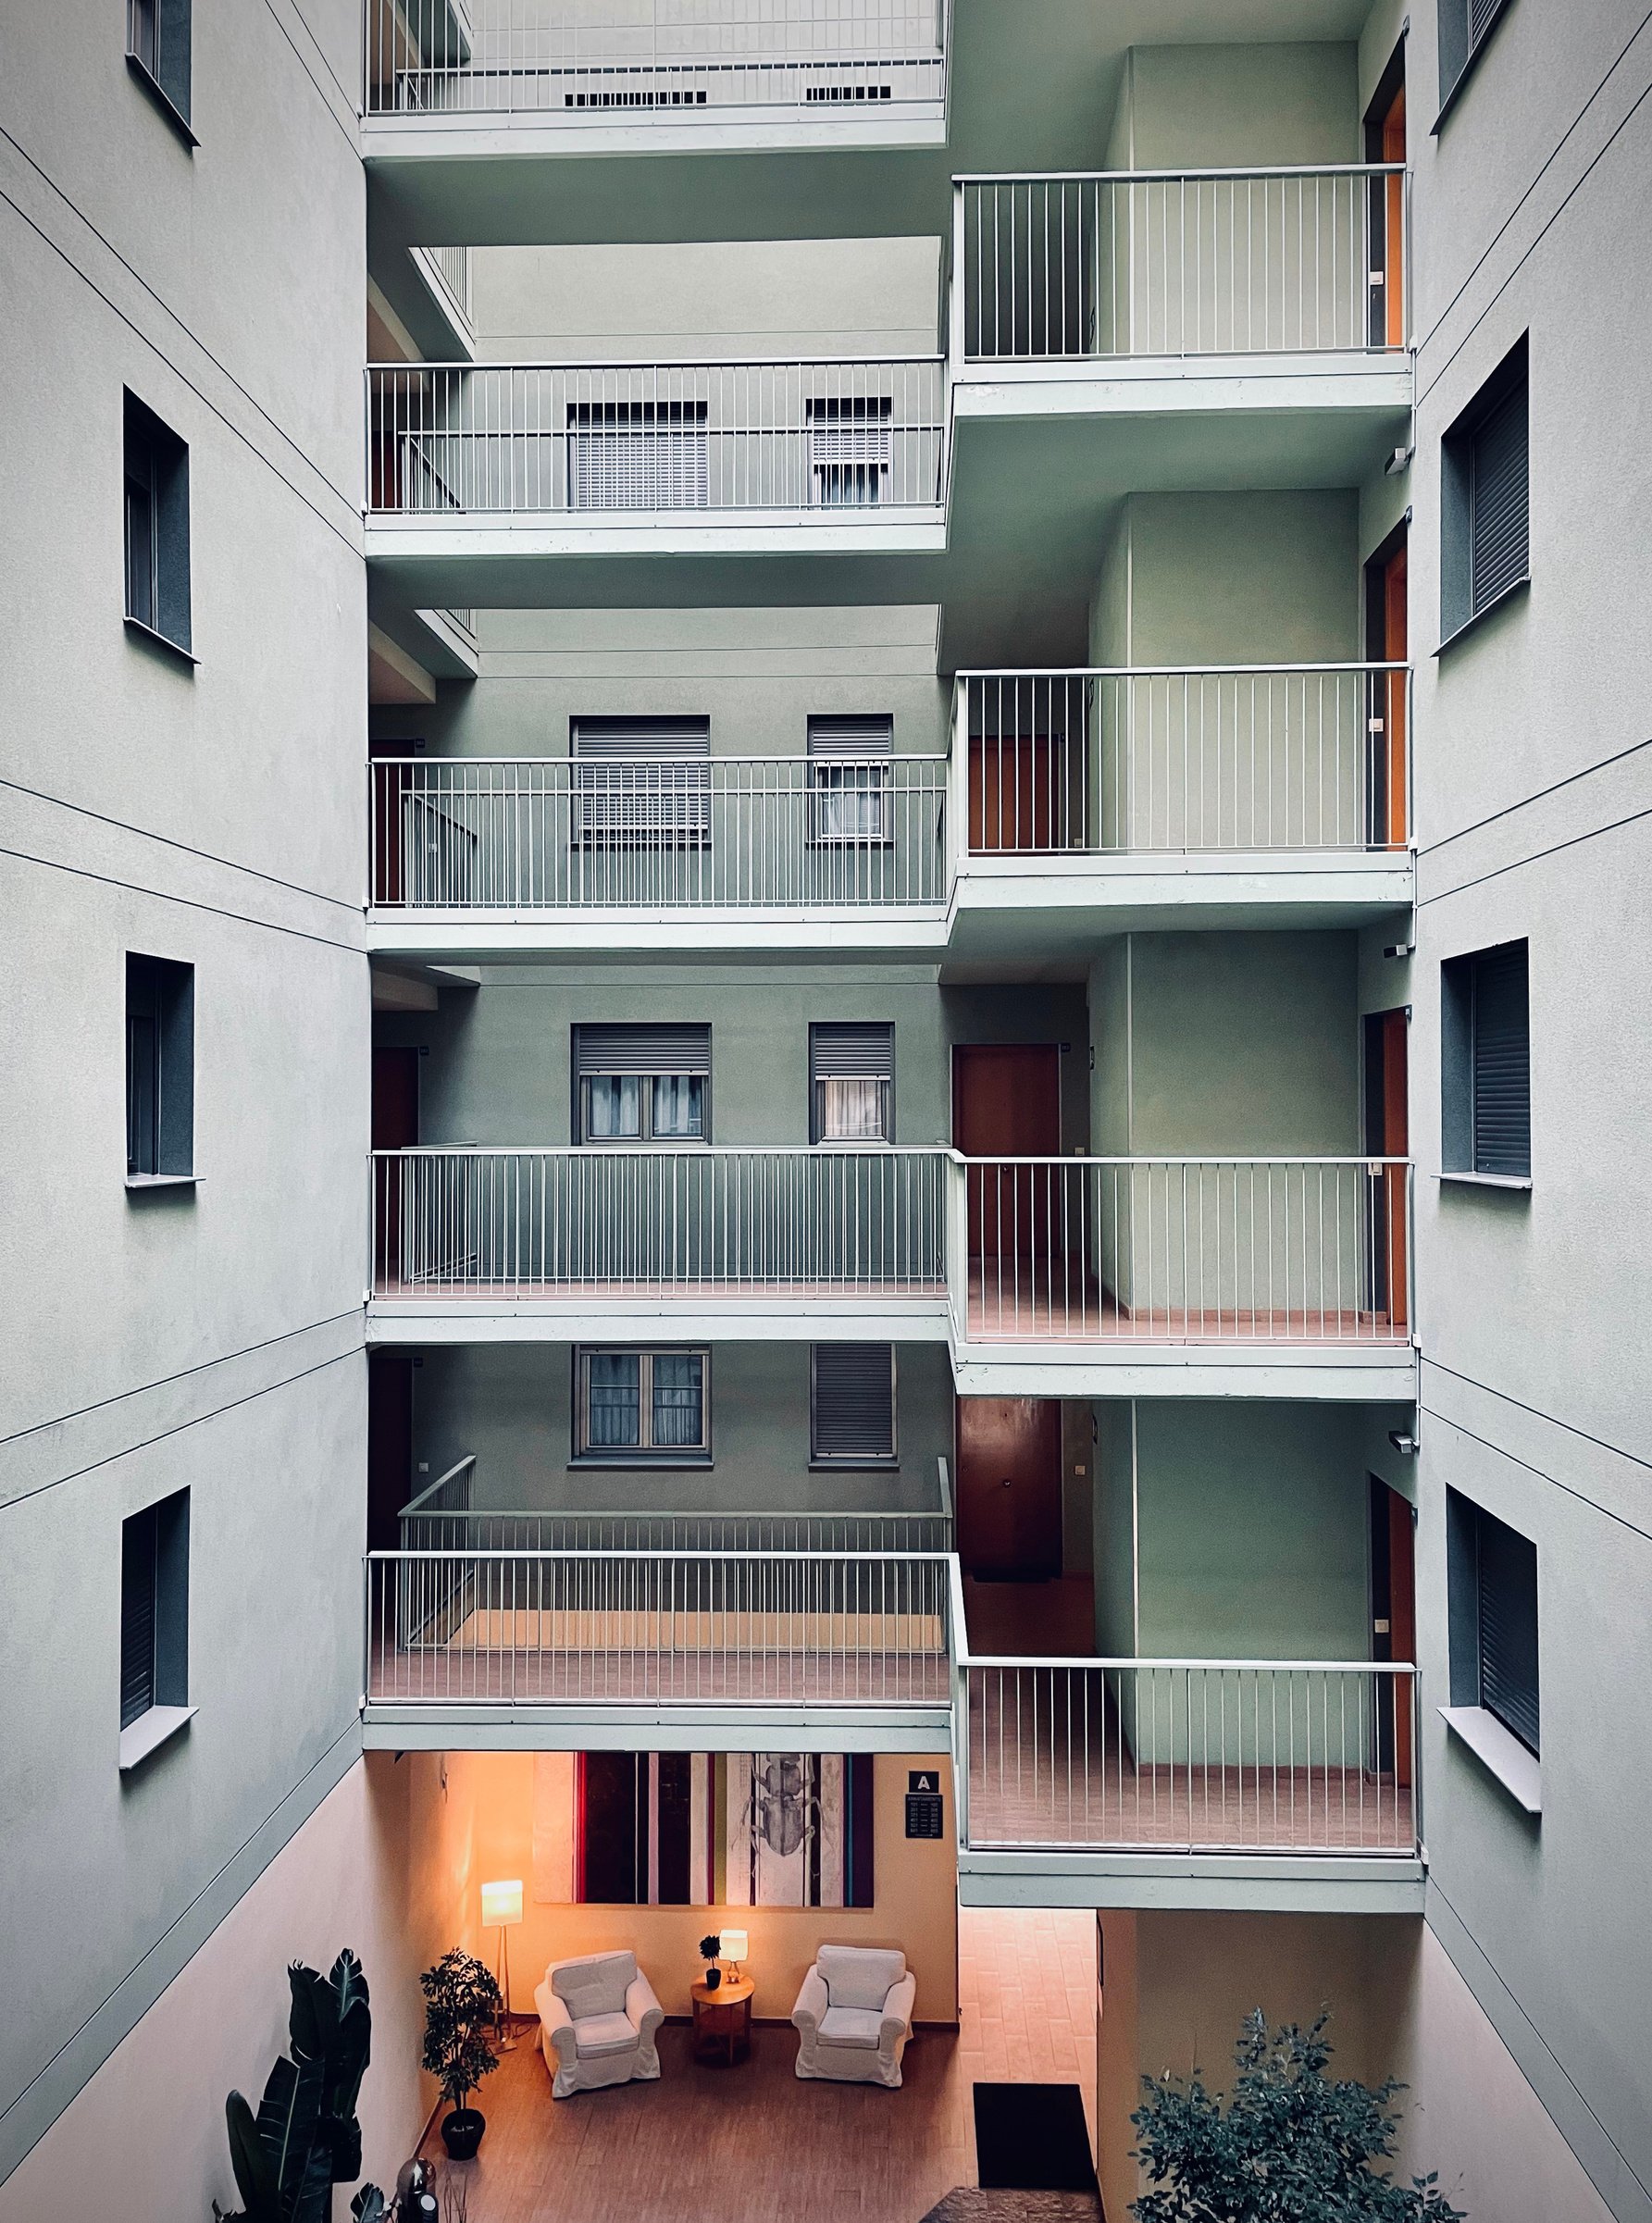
column 1387, row 1135
column 1006, row 1103
column 394, row 1127
column 1386, row 641
column 1393, row 1620
column 1009, row 1488
column 389, row 1444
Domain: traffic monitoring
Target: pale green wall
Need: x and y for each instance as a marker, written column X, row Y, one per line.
column 511, row 1406
column 1243, row 1044
column 1113, row 1553
column 1214, row 107
column 1253, row 1531
column 1267, row 577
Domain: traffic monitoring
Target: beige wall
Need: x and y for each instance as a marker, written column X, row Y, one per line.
column 472, row 1822
column 1225, row 107
column 145, row 2138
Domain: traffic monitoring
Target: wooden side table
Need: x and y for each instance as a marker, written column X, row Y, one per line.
column 723, row 2021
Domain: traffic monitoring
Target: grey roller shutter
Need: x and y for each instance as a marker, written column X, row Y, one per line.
column 1499, row 519
column 1507, row 1586
column 138, row 1555
column 638, row 455
column 854, row 1401
column 851, row 740
column 1502, row 1067
column 851, row 1050
column 663, row 741
column 641, row 783
column 647, row 1050
column 1481, row 14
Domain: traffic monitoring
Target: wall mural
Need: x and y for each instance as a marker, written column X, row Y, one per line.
column 704, row 1829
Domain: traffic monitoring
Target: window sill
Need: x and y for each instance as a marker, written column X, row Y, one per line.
column 1518, row 1182
column 144, row 1182
column 163, row 642
column 163, row 100
column 1500, row 1751
column 150, row 1731
column 1498, row 601
column 632, row 1461
column 1467, row 71
column 854, row 1466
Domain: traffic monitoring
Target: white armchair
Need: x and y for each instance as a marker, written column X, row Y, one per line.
column 853, row 2014
column 598, row 2022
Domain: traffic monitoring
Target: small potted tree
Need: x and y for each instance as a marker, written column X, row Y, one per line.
column 461, row 2000
column 710, row 1946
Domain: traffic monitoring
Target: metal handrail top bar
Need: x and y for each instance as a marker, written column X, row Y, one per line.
column 755, row 1551
column 415, row 1504
column 1221, row 1667
column 564, row 1512
column 1165, row 671
column 818, row 1151
column 693, row 764
column 1150, row 177
column 675, row 363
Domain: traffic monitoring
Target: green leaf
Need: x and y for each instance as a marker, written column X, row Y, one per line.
column 311, row 2019
column 287, row 2116
column 369, row 2205
column 254, row 2180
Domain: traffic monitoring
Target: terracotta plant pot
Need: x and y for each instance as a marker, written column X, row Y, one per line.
column 462, row 2132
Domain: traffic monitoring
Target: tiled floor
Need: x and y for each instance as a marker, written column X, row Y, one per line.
column 750, row 2144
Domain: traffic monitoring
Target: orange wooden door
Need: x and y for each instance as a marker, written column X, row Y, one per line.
column 1013, row 797
column 1394, row 1620
column 1396, row 650
column 1394, row 226
column 1009, row 1486
column 1388, row 1134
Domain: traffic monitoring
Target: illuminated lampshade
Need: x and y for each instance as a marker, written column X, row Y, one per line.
column 501, row 1904
column 732, row 1944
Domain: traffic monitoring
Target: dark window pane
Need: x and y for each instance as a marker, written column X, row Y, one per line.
column 613, row 1398
column 677, row 1400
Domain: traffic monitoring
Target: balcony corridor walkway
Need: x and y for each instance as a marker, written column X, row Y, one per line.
column 752, row 2143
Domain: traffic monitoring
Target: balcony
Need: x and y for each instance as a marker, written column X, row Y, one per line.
column 1149, row 331
column 1072, row 802
column 453, row 79
column 1190, row 1782
column 478, row 472
column 1075, row 1276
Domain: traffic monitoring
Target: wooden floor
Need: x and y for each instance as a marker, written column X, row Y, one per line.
column 751, row 2144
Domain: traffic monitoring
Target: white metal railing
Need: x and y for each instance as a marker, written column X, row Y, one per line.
column 730, row 1628
column 1192, row 1756
column 443, row 1517
column 446, row 271
column 1179, row 263
column 601, row 438
column 705, row 1220
column 1131, row 761
column 662, row 61
column 1185, row 1250
column 552, row 834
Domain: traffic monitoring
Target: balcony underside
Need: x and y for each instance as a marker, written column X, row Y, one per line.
column 783, row 1315
column 591, row 1727
column 1009, row 911
column 1210, row 1882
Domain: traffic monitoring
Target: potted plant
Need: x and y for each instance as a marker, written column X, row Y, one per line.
column 710, row 1947
column 461, row 2000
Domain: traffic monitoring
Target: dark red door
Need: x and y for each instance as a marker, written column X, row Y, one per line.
column 394, row 1127
column 1394, row 1618
column 389, row 1444
column 1006, row 1103
column 1009, row 1486
column 1388, row 1134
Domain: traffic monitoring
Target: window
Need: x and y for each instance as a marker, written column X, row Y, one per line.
column 1465, row 26
column 850, row 451
column 638, row 455
column 641, row 783
column 852, row 1404
column 157, row 528
column 155, row 1555
column 1492, row 1576
column 1484, row 499
column 642, row 1084
column 160, row 1070
column 1486, row 1065
column 634, row 1406
column 852, row 1081
column 157, row 49
column 851, row 771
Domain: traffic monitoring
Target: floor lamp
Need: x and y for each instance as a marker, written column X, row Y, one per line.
column 501, row 1910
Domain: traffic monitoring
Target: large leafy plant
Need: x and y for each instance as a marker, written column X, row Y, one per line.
column 1288, row 2143
column 306, row 2137
column 461, row 1999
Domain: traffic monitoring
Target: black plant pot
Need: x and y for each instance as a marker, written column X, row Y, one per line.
column 713, row 1978
column 462, row 2132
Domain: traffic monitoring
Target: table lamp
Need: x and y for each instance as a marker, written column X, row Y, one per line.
column 501, row 1910
column 732, row 1948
